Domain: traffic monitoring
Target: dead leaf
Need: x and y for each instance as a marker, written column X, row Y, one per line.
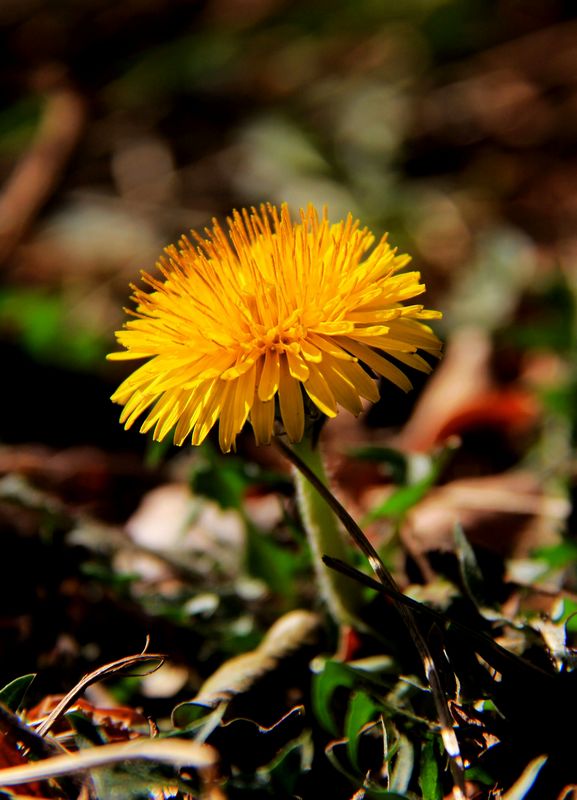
column 461, row 376
column 512, row 409
column 238, row 674
column 11, row 756
column 119, row 723
column 509, row 514
column 171, row 520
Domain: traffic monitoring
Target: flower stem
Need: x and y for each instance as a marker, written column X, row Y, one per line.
column 433, row 676
column 342, row 596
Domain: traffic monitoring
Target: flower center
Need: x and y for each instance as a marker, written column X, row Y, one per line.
column 279, row 338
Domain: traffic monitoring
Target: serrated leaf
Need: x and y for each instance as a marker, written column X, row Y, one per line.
column 14, row 692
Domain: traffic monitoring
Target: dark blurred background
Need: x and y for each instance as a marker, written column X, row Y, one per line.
column 450, row 123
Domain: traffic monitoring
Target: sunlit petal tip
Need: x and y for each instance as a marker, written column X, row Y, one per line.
column 429, row 314
column 248, row 322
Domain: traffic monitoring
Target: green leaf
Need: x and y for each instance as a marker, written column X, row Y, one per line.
column 362, row 709
column 568, row 614
column 429, row 776
column 332, row 676
column 42, row 322
column 404, row 498
column 400, row 501
column 287, row 768
column 273, row 563
column 393, row 460
column 559, row 555
column 18, row 123
column 222, row 479
column 14, row 692
column 85, row 728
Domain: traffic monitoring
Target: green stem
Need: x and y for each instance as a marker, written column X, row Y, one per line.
column 433, row 676
column 342, row 596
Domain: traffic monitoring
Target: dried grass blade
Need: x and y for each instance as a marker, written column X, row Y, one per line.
column 92, row 677
column 177, row 752
column 495, row 654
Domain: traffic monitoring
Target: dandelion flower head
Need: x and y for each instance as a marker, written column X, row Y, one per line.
column 266, row 320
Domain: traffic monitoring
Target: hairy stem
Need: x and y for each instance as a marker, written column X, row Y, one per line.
column 325, row 535
column 432, row 674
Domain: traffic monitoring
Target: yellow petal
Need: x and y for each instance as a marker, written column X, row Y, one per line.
column 227, row 430
column 291, row 404
column 134, row 407
column 126, row 355
column 297, row 367
column 363, row 383
column 429, row 314
column 163, row 407
column 262, row 420
column 191, row 411
column 335, row 328
column 171, row 416
column 318, row 390
column 244, row 396
column 310, row 352
column 268, row 384
column 210, row 411
column 328, row 344
column 387, row 343
column 371, row 317
column 238, row 369
column 415, row 361
column 235, row 409
column 379, row 365
column 345, row 392
column 415, row 333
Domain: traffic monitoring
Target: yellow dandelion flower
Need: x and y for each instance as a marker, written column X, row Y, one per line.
column 276, row 310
